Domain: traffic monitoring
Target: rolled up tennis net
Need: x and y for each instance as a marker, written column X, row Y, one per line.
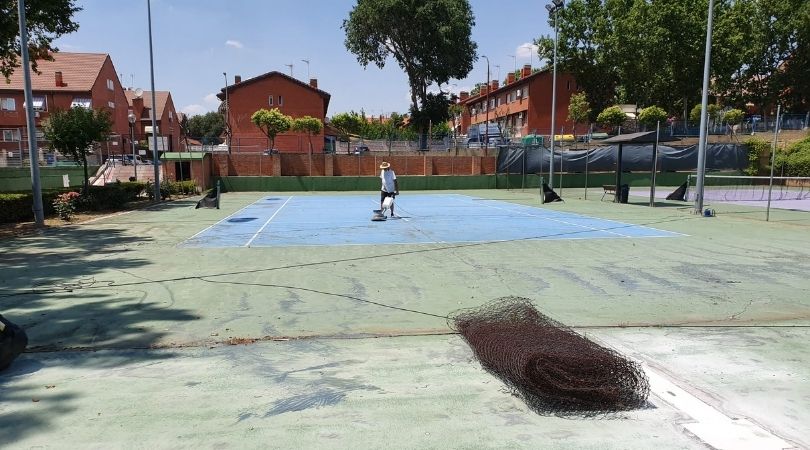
column 552, row 368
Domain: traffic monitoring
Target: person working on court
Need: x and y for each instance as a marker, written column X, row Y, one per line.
column 390, row 187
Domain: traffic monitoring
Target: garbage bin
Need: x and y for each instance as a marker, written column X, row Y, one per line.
column 624, row 192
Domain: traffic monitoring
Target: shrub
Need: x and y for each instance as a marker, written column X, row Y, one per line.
column 111, row 196
column 612, row 116
column 651, row 115
column 733, row 116
column 19, row 207
column 169, row 188
column 757, row 148
column 796, row 159
column 65, row 205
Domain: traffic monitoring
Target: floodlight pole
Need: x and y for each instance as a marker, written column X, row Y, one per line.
column 33, row 151
column 655, row 164
column 701, row 169
column 486, row 111
column 773, row 162
column 556, row 7
column 155, row 160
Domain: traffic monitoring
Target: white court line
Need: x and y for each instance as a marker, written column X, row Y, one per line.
column 224, row 219
column 268, row 222
column 562, row 221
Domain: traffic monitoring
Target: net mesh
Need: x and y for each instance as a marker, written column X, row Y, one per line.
column 727, row 188
column 553, row 369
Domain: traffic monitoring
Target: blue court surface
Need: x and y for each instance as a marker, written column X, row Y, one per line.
column 281, row 221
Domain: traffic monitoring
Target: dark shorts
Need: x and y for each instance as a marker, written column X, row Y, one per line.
column 384, row 194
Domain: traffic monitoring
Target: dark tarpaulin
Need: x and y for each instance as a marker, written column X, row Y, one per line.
column 635, row 158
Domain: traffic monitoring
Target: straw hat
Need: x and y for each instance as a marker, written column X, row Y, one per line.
column 385, row 165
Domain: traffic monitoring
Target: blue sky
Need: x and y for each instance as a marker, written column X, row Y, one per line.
column 196, row 41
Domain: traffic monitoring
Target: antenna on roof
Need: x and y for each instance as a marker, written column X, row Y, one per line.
column 291, row 68
column 138, row 93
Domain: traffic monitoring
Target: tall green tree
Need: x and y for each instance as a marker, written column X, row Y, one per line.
column 346, row 125
column 206, row 127
column 46, row 21
column 309, row 125
column 272, row 123
column 73, row 132
column 431, row 40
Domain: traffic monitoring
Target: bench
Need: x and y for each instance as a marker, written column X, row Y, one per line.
column 609, row 189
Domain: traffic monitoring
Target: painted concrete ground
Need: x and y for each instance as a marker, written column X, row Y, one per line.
column 140, row 341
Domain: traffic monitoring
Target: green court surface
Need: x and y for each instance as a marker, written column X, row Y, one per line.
column 139, row 341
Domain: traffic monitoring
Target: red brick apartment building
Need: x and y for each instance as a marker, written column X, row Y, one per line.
column 522, row 106
column 272, row 90
column 71, row 79
column 168, row 122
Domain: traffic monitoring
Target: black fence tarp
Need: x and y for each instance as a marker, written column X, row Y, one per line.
column 635, row 158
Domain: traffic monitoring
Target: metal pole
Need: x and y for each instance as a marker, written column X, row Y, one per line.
column 773, row 162
column 155, row 160
column 553, row 105
column 33, row 151
column 132, row 142
column 654, row 165
column 486, row 116
column 227, row 115
column 587, row 156
column 701, row 172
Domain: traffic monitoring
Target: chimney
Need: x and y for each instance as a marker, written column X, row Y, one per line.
column 137, row 106
column 527, row 70
column 313, row 82
column 484, row 89
column 463, row 95
column 237, row 79
column 493, row 85
column 59, row 82
column 510, row 78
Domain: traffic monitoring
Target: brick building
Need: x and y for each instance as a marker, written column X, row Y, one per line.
column 71, row 79
column 272, row 90
column 522, row 106
column 168, row 122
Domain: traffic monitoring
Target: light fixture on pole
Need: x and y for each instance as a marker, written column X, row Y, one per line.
column 307, row 63
column 131, row 118
column 486, row 116
column 291, row 68
column 553, row 8
column 155, row 156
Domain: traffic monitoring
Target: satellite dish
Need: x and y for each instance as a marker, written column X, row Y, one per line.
column 138, row 93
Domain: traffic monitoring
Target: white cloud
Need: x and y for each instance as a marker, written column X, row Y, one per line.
column 234, row 43
column 526, row 50
column 193, row 110
column 211, row 99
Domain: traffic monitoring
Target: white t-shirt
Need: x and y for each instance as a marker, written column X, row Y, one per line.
column 388, row 177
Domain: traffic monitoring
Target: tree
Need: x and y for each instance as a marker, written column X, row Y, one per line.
column 430, row 39
column 184, row 129
column 578, row 110
column 311, row 126
column 435, row 109
column 612, row 117
column 271, row 123
column 346, row 125
column 713, row 111
column 46, row 21
column 72, row 132
column 733, row 116
column 206, row 127
column 651, row 116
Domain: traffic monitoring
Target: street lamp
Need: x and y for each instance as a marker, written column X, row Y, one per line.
column 227, row 114
column 486, row 109
column 553, row 8
column 131, row 118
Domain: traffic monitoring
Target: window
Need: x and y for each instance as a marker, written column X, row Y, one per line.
column 171, row 116
column 111, row 105
column 110, row 85
column 39, row 103
column 80, row 102
column 11, row 135
column 280, row 100
column 492, row 103
column 518, row 93
column 8, row 104
column 270, row 100
column 569, row 85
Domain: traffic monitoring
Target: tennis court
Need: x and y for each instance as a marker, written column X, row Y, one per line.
column 280, row 221
column 159, row 326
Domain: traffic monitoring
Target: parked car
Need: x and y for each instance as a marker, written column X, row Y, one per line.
column 270, row 151
column 360, row 149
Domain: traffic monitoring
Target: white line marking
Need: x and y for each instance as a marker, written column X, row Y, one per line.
column 224, row 219
column 712, row 426
column 268, row 222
